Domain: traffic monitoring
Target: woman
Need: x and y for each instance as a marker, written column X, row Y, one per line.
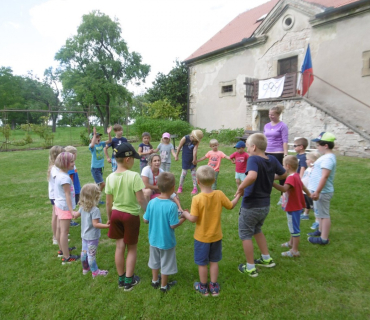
column 150, row 175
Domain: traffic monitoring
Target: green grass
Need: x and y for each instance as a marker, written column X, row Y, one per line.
column 330, row 282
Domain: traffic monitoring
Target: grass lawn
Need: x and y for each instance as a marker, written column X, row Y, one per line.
column 326, row 282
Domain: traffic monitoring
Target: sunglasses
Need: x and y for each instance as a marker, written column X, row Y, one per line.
column 296, row 145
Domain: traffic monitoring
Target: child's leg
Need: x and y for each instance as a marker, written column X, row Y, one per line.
column 262, row 243
column 325, row 225
column 164, row 280
column 54, row 222
column 248, row 250
column 92, row 246
column 193, row 176
column 142, row 166
column 64, row 230
column 119, row 256
column 237, row 182
column 57, row 233
column 155, row 275
column 101, row 186
column 214, row 185
column 84, row 260
column 131, row 259
column 323, row 207
column 295, row 243
column 203, row 273
column 182, row 177
column 213, row 270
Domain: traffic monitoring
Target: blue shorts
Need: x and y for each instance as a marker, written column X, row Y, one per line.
column 294, row 220
column 240, row 176
column 204, row 253
column 97, row 174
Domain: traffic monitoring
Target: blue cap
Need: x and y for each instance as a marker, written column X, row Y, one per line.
column 240, row 144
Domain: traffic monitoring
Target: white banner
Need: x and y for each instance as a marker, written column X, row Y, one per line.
column 270, row 88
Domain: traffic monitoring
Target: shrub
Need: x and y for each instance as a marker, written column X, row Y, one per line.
column 227, row 136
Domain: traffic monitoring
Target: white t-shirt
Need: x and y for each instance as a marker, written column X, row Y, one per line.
column 60, row 196
column 147, row 172
column 53, row 172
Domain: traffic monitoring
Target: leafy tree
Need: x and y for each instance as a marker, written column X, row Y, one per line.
column 96, row 65
column 163, row 109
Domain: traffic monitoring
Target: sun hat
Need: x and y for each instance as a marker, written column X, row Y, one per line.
column 197, row 134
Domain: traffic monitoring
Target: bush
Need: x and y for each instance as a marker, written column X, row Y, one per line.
column 227, row 136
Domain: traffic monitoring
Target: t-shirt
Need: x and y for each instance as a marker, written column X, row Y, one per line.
column 88, row 232
column 97, row 155
column 306, row 176
column 115, row 143
column 165, row 152
column 53, row 172
column 215, row 159
column 208, row 207
column 147, row 172
column 76, row 181
column 257, row 195
column 293, row 199
column 123, row 187
column 276, row 135
column 145, row 148
column 327, row 161
column 61, row 179
column 301, row 162
column 240, row 161
column 161, row 214
column 187, row 154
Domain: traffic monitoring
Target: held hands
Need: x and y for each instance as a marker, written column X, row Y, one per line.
column 239, row 193
column 176, row 158
column 315, row 196
column 109, row 160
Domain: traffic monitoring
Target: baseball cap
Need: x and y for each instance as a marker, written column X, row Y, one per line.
column 166, row 135
column 124, row 150
column 325, row 136
column 91, row 135
column 240, row 144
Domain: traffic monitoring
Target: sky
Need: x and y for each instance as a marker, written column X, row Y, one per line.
column 33, row 31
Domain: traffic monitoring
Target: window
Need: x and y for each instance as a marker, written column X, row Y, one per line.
column 288, row 22
column 227, row 88
column 366, row 63
column 288, row 65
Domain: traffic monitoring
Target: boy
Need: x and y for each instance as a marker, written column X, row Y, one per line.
column 162, row 216
column 300, row 145
column 321, row 186
column 292, row 203
column 124, row 199
column 116, row 141
column 261, row 171
column 206, row 210
column 97, row 157
column 214, row 161
column 240, row 158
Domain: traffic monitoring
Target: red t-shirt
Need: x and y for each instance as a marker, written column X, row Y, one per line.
column 293, row 199
column 240, row 161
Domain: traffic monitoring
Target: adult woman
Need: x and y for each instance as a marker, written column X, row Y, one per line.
column 150, row 175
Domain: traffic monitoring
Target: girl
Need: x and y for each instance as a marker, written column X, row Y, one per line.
column 90, row 228
column 189, row 145
column 64, row 204
column 52, row 172
column 145, row 149
column 150, row 175
column 165, row 149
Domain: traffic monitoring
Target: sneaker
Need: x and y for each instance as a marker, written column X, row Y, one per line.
column 157, row 284
column 168, row 287
column 200, row 288
column 290, row 254
column 243, row 269
column 134, row 282
column 214, row 289
column 121, row 284
column 99, row 273
column 305, row 217
column 179, row 190
column 265, row 263
column 316, row 233
column 85, row 271
column 55, row 241
column 318, row 240
column 195, row 191
column 71, row 259
column 315, row 225
column 74, row 224
column 60, row 252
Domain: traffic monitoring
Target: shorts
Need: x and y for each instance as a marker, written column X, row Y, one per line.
column 309, row 201
column 124, row 226
column 52, row 201
column 97, row 174
column 251, row 221
column 322, row 205
column 294, row 220
column 63, row 215
column 163, row 259
column 240, row 176
column 114, row 164
column 204, row 253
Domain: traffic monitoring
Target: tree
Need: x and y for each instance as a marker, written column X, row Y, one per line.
column 96, row 65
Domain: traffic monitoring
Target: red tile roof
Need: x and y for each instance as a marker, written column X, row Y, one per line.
column 246, row 23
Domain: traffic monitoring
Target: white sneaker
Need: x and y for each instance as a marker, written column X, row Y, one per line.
column 55, row 241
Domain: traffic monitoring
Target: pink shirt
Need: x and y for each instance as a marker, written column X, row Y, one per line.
column 240, row 161
column 215, row 159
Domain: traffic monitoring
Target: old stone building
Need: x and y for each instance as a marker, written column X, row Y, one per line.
column 271, row 40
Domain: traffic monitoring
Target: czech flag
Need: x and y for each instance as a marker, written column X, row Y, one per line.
column 306, row 76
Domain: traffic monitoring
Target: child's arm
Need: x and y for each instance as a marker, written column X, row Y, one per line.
column 195, row 150
column 201, row 159
column 306, row 191
column 301, row 172
column 109, row 136
column 235, row 201
column 228, row 158
column 106, row 154
column 141, row 153
column 141, row 199
column 281, row 177
column 283, row 188
column 249, row 179
column 173, row 152
column 177, row 201
column 108, row 205
column 93, row 140
column 324, row 177
column 188, row 216
column 67, row 191
column 100, row 225
column 182, row 141
column 181, row 221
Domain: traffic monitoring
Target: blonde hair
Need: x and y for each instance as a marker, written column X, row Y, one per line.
column 150, row 158
column 64, row 160
column 70, row 149
column 206, row 175
column 313, row 156
column 292, row 161
column 259, row 140
column 197, row 135
column 166, row 181
column 53, row 153
column 301, row 141
column 277, row 109
column 89, row 196
column 213, row 141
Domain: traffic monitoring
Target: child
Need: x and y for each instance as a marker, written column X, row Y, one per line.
column 145, row 150
column 90, row 229
column 97, row 157
column 162, row 216
column 206, row 213
column 321, row 186
column 189, row 145
column 52, row 172
column 165, row 149
column 214, row 161
column 300, row 145
column 310, row 160
column 261, row 170
column 64, row 205
column 124, row 196
column 76, row 181
column 292, row 203
column 116, row 141
column 240, row 158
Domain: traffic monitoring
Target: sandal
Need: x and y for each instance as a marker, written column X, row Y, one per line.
column 290, row 254
column 286, row 245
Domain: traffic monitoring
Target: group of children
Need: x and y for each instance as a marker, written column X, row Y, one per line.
column 255, row 175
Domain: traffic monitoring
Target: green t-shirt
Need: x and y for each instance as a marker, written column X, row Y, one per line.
column 123, row 187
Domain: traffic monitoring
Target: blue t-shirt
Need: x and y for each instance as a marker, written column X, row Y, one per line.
column 76, row 181
column 97, row 155
column 162, row 214
column 145, row 148
column 115, row 143
column 301, row 162
column 327, row 161
column 187, row 154
column 257, row 195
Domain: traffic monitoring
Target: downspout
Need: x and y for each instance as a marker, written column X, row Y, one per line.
column 188, row 97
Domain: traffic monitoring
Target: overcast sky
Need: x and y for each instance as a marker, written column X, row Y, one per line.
column 32, row 31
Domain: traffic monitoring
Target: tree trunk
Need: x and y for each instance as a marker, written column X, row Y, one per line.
column 54, row 118
column 13, row 124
